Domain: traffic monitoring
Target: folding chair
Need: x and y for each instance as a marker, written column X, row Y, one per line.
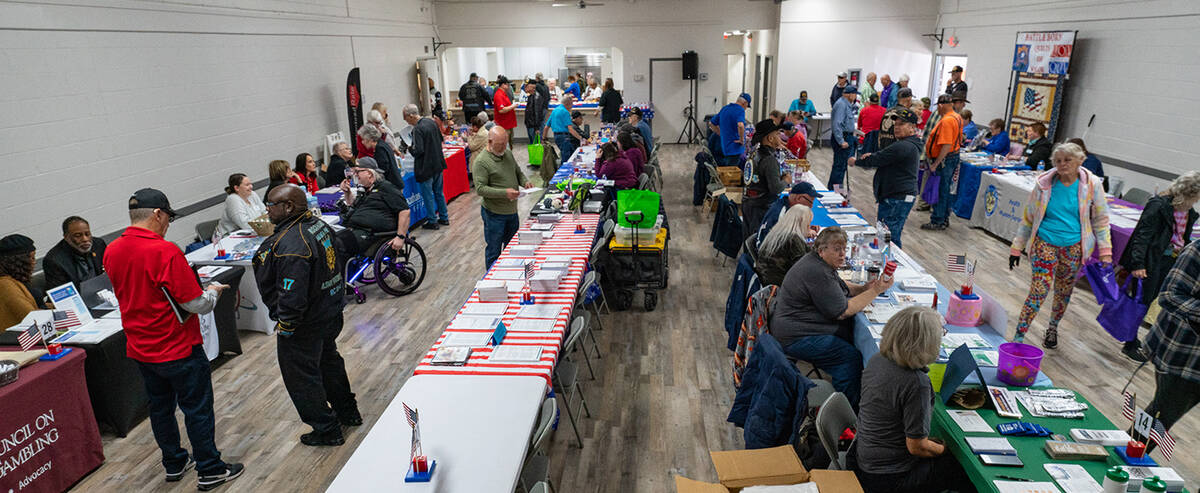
column 537, row 466
column 834, row 417
column 566, row 384
column 581, row 325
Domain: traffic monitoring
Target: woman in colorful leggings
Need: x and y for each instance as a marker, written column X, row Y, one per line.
column 1065, row 219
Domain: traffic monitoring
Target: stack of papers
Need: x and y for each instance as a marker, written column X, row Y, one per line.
column 492, row 309
column 986, row 357
column 969, row 421
column 848, row 220
column 924, row 283
column 464, row 322
column 472, row 339
column 921, row 299
column 532, row 325
column 525, row 250
column 1073, row 478
column 990, row 445
column 973, row 341
column 1025, row 487
column 508, row 275
column 492, row 290
column 513, row 262
column 546, row 280
column 545, row 310
column 881, row 313
column 516, row 353
column 530, row 237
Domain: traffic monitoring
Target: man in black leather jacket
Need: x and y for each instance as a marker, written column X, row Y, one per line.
column 77, row 258
column 300, row 279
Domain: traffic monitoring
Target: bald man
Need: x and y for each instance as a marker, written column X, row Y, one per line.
column 497, row 179
column 299, row 276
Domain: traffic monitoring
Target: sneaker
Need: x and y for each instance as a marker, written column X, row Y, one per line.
column 1134, row 350
column 444, row 222
column 350, row 419
column 1051, row 339
column 934, row 227
column 430, row 225
column 923, row 207
column 330, row 439
column 176, row 476
column 232, row 471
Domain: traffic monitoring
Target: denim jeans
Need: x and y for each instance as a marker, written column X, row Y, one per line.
column 314, row 375
column 497, row 230
column 188, row 383
column 946, row 196
column 735, row 160
column 892, row 213
column 841, row 157
column 565, row 146
column 533, row 132
column 835, row 356
column 431, row 191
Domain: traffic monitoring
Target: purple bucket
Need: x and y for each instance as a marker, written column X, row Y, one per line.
column 1019, row 364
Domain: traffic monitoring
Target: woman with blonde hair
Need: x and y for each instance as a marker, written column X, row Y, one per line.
column 1065, row 220
column 1163, row 230
column 280, row 172
column 784, row 245
column 892, row 451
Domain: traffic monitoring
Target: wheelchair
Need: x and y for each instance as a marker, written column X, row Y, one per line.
column 397, row 272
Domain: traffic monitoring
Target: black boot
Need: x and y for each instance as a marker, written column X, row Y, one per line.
column 317, row 439
column 1133, row 349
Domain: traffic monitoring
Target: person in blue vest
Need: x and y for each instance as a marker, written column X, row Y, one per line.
column 730, row 125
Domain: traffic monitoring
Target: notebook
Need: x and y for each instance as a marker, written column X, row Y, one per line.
column 990, row 445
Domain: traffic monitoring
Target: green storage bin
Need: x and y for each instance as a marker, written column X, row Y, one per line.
column 638, row 200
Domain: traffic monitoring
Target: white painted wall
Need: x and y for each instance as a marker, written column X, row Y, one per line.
column 819, row 38
column 640, row 30
column 102, row 97
column 1134, row 67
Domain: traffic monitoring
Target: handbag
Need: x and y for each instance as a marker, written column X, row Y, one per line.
column 535, row 151
column 933, row 182
column 1103, row 280
column 1122, row 317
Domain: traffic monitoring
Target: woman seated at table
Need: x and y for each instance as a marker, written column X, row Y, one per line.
column 593, row 92
column 280, row 172
column 477, row 140
column 305, row 174
column 242, row 205
column 814, row 309
column 1037, row 151
column 632, row 151
column 616, row 167
column 784, row 245
column 1162, row 231
column 1065, row 219
column 17, row 258
column 893, row 452
column 997, row 142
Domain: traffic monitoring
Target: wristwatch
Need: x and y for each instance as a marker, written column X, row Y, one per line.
column 402, row 237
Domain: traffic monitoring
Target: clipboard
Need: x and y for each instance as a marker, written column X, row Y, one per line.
column 180, row 314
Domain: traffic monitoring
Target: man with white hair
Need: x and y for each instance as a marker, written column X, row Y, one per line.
column 498, row 179
column 894, row 97
column 868, row 88
column 887, row 87
column 428, row 165
column 376, row 206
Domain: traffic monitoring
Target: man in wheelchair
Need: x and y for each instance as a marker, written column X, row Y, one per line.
column 375, row 208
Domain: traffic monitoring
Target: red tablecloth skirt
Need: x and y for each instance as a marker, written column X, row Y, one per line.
column 454, row 179
column 49, row 434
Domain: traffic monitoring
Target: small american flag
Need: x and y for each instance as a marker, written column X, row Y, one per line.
column 30, row 337
column 956, row 263
column 1127, row 408
column 65, row 320
column 1163, row 438
column 971, row 273
column 528, row 270
column 410, row 414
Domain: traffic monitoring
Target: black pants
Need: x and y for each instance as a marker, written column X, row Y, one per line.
column 928, row 474
column 188, row 383
column 1173, row 397
column 315, row 376
column 753, row 210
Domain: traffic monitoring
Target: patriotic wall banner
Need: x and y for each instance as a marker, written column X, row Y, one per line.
column 1044, row 52
column 354, row 109
column 1036, row 98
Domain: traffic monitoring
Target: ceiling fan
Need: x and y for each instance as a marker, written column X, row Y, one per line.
column 583, row 4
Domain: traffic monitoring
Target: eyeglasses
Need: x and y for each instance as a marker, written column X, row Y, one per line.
column 270, row 204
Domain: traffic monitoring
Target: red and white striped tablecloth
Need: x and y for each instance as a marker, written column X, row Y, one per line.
column 565, row 242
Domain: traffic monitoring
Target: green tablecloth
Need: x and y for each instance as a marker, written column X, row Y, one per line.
column 1029, row 449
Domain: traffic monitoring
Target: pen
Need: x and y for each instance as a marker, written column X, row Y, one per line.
column 1011, row 478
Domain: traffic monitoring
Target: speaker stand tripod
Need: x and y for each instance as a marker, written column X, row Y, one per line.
column 691, row 129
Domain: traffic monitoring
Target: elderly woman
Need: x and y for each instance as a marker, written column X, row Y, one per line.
column 1065, row 219
column 242, row 205
column 892, row 451
column 813, row 309
column 339, row 164
column 280, row 172
column 616, row 167
column 306, row 175
column 1161, row 233
column 593, row 91
column 784, row 245
column 764, row 183
column 1037, row 151
column 385, row 156
column 17, row 257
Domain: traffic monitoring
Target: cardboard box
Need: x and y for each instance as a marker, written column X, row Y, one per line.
column 826, row 481
column 737, row 469
column 730, row 176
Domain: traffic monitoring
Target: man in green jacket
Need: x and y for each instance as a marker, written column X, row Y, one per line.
column 497, row 179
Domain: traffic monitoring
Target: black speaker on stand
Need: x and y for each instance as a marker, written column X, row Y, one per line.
column 691, row 129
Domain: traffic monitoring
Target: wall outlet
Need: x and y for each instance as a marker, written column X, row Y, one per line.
column 638, row 77
column 703, row 75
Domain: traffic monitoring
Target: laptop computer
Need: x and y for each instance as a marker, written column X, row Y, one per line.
column 90, row 289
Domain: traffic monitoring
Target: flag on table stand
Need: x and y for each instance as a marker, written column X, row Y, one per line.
column 528, row 271
column 956, row 263
column 65, row 320
column 29, row 338
column 1127, row 408
column 1163, row 438
column 971, row 273
column 413, row 420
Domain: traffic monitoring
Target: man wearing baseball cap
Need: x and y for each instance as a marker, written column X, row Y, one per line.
column 839, row 87
column 802, row 193
column 956, row 84
column 376, row 206
column 158, row 294
column 941, row 147
column 895, row 181
column 842, row 136
column 730, row 124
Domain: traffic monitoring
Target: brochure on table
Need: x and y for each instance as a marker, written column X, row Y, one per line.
column 89, row 331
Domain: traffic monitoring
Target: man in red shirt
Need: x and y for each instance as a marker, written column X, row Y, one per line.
column 871, row 117
column 506, row 109
column 159, row 293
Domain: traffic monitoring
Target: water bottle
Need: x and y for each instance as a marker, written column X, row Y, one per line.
column 1116, row 480
column 313, row 204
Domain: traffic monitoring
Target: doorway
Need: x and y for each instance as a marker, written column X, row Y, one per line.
column 941, row 73
column 735, row 77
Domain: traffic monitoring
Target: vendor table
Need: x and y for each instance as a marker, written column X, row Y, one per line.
column 971, row 170
column 47, row 417
column 477, row 428
column 821, row 129
column 454, row 178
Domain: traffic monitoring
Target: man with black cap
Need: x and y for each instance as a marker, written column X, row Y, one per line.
column 473, row 97
column 505, row 108
column 764, row 182
column 895, row 181
column 956, row 84
column 378, row 207
column 839, row 88
column 299, row 274
column 730, row 125
column 942, row 147
column 637, row 119
column 802, row 193
column 842, row 136
column 158, row 293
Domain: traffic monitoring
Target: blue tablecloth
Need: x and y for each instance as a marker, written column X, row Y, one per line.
column 968, row 185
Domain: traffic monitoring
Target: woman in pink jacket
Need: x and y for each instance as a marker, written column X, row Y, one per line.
column 1065, row 219
column 616, row 167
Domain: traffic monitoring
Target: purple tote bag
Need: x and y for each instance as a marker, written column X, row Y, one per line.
column 1122, row 317
column 1103, row 280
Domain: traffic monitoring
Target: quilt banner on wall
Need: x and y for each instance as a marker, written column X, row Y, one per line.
column 1036, row 98
column 1044, row 52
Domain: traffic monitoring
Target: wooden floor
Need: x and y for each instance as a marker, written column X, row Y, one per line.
column 662, row 390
